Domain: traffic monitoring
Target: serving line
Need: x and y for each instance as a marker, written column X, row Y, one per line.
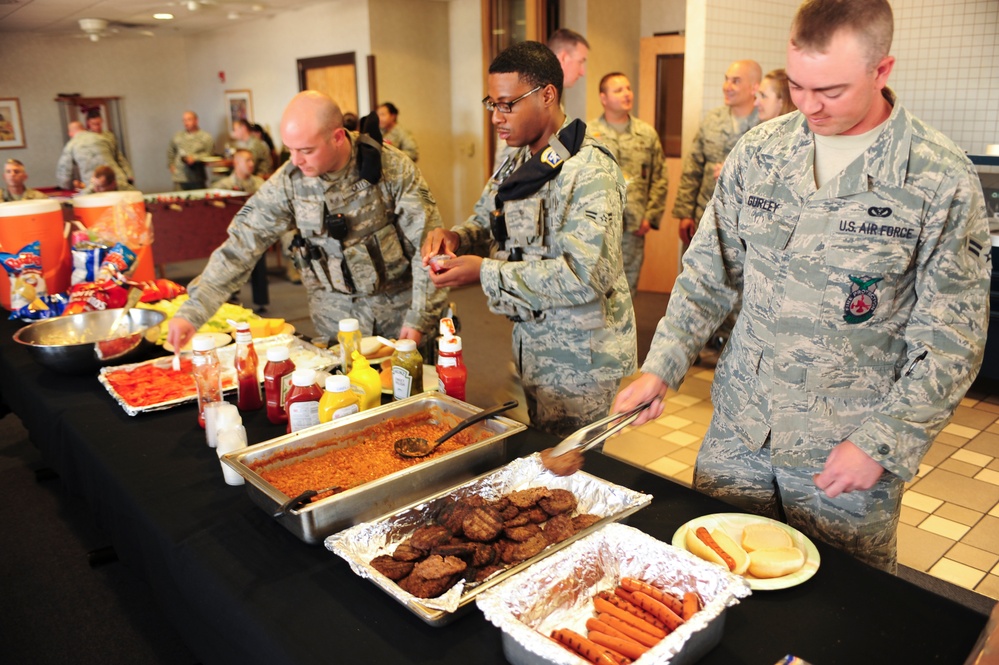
column 235, row 582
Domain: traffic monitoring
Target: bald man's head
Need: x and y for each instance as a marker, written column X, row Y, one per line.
column 742, row 80
column 74, row 128
column 312, row 130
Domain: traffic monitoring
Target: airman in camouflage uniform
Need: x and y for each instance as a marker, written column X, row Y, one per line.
column 395, row 135
column 82, row 154
column 574, row 327
column 186, row 146
column 635, row 144
column 95, row 123
column 262, row 159
column 372, row 273
column 721, row 129
column 865, row 305
column 14, row 189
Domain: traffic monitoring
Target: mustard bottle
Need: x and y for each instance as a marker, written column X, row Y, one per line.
column 365, row 377
column 338, row 400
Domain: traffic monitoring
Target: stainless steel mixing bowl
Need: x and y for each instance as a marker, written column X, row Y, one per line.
column 78, row 343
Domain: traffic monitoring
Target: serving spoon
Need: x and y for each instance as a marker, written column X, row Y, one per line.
column 417, row 446
column 297, row 502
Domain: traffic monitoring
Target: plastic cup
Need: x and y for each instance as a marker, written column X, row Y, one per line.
column 219, row 415
column 321, row 342
column 230, row 440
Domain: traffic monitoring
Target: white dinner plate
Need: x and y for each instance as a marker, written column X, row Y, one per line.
column 733, row 524
column 221, row 339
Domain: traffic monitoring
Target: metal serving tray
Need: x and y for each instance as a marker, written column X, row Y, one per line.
column 360, row 544
column 316, row 520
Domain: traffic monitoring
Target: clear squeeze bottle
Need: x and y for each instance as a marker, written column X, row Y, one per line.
column 248, row 395
column 350, row 341
column 207, row 373
column 366, row 377
column 302, row 402
column 451, row 371
column 338, row 400
column 407, row 370
column 277, row 382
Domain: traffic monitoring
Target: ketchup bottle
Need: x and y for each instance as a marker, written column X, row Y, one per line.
column 277, row 381
column 302, row 402
column 248, row 398
column 451, row 371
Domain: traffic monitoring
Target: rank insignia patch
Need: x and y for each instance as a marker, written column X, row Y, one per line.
column 862, row 301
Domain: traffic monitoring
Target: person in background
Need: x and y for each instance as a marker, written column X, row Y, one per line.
column 14, row 177
column 95, row 124
column 350, row 122
column 393, row 134
column 259, row 133
column 556, row 266
column 246, row 141
column 572, row 50
column 362, row 239
column 635, row 144
column 82, row 154
column 855, row 235
column 184, row 154
column 243, row 179
column 717, row 135
column 774, row 97
column 103, row 180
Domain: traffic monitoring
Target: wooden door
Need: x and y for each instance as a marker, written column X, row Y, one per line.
column 663, row 110
column 335, row 75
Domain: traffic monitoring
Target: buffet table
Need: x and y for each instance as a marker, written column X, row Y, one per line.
column 242, row 589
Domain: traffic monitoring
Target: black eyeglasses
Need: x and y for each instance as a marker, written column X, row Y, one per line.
column 506, row 107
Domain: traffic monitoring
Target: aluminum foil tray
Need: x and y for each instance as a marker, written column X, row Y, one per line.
column 558, row 593
column 360, row 544
column 316, row 520
column 303, row 354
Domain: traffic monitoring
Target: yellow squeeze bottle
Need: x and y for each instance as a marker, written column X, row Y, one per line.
column 366, row 377
column 338, row 400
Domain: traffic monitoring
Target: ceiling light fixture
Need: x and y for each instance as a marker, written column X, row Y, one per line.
column 233, row 16
column 163, row 17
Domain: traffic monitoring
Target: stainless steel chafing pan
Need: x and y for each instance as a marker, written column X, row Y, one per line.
column 316, row 520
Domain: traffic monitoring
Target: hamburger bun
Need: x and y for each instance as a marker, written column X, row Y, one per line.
column 702, row 550
column 765, row 536
column 775, row 562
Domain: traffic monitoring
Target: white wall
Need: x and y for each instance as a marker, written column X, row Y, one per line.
column 148, row 75
column 467, row 84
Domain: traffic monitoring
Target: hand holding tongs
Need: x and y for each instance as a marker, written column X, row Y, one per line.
column 591, row 435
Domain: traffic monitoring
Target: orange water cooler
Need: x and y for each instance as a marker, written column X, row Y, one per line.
column 90, row 208
column 23, row 222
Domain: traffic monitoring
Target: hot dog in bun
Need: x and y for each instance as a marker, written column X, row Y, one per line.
column 717, row 547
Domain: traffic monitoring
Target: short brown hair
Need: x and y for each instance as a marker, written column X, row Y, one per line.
column 564, row 38
column 818, row 20
column 608, row 77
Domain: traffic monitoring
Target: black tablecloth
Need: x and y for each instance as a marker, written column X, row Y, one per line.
column 242, row 589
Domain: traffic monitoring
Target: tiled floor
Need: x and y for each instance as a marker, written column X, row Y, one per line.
column 950, row 512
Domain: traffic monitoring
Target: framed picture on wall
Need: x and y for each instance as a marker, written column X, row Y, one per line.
column 11, row 129
column 239, row 106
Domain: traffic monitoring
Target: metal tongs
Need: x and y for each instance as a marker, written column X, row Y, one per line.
column 596, row 433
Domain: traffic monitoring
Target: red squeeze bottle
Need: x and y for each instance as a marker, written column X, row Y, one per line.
column 249, row 398
column 277, row 382
column 451, row 371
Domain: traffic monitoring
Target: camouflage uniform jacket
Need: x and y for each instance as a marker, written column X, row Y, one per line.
column 234, row 184
column 186, row 143
column 28, row 194
column 119, row 156
column 263, row 162
column 712, row 143
column 387, row 223
column 84, row 153
column 640, row 156
column 402, row 140
column 571, row 277
column 864, row 303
